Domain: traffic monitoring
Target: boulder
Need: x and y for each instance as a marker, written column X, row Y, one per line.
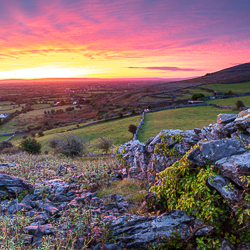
column 14, row 184
column 131, row 231
column 243, row 119
column 215, row 150
column 234, row 167
column 226, row 118
column 226, row 189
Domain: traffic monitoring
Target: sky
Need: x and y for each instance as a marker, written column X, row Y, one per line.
column 122, row 38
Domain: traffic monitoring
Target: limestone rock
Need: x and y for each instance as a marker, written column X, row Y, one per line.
column 226, row 118
column 215, row 150
column 14, row 184
column 229, row 192
column 243, row 120
column 234, row 167
column 138, row 231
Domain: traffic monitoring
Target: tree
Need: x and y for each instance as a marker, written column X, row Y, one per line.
column 31, row 146
column 197, row 96
column 239, row 104
column 104, row 144
column 132, row 128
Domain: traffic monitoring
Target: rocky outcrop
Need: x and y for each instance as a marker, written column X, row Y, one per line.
column 217, row 140
column 13, row 185
column 138, row 231
column 235, row 168
column 212, row 151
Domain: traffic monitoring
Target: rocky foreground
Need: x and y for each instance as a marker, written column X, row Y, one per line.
column 105, row 222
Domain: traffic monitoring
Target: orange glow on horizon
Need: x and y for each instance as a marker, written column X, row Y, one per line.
column 121, row 39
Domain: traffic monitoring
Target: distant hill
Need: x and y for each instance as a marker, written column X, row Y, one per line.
column 236, row 74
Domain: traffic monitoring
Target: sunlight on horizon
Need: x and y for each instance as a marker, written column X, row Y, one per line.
column 48, row 72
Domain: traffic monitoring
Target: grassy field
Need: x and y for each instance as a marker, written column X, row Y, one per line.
column 22, row 121
column 193, row 91
column 117, row 130
column 40, row 106
column 3, row 138
column 183, row 118
column 236, row 88
column 231, row 101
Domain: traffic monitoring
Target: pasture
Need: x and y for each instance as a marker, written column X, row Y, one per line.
column 116, row 130
column 231, row 101
column 181, row 118
column 236, row 88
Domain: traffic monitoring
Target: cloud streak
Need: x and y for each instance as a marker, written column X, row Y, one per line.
column 165, row 68
column 189, row 35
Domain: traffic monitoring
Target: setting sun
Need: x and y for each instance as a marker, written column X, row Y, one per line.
column 76, row 38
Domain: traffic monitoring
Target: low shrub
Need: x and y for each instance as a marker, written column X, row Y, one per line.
column 31, row 146
column 33, row 133
column 40, row 134
column 239, row 104
column 71, row 145
column 53, row 143
column 104, row 144
column 11, row 151
column 5, row 144
column 197, row 96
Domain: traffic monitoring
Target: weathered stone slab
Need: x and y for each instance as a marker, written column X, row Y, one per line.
column 234, row 167
column 138, row 231
column 222, row 185
column 14, row 184
column 243, row 120
column 226, row 118
column 215, row 150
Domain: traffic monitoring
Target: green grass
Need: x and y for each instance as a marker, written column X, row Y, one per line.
column 3, row 138
column 236, row 88
column 22, row 121
column 40, row 106
column 183, row 118
column 124, row 188
column 117, row 130
column 193, row 91
column 231, row 101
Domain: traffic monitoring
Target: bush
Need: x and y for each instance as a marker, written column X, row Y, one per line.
column 5, row 144
column 40, row 133
column 31, row 146
column 197, row 96
column 10, row 151
column 32, row 133
column 24, row 137
column 71, row 145
column 53, row 143
column 104, row 144
column 239, row 104
column 132, row 128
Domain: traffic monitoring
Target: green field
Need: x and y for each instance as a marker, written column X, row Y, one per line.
column 231, row 101
column 193, row 91
column 40, row 106
column 236, row 88
column 117, row 130
column 3, row 138
column 183, row 118
column 22, row 121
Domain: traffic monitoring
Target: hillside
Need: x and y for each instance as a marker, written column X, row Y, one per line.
column 235, row 74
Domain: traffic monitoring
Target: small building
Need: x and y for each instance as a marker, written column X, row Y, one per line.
column 195, row 102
